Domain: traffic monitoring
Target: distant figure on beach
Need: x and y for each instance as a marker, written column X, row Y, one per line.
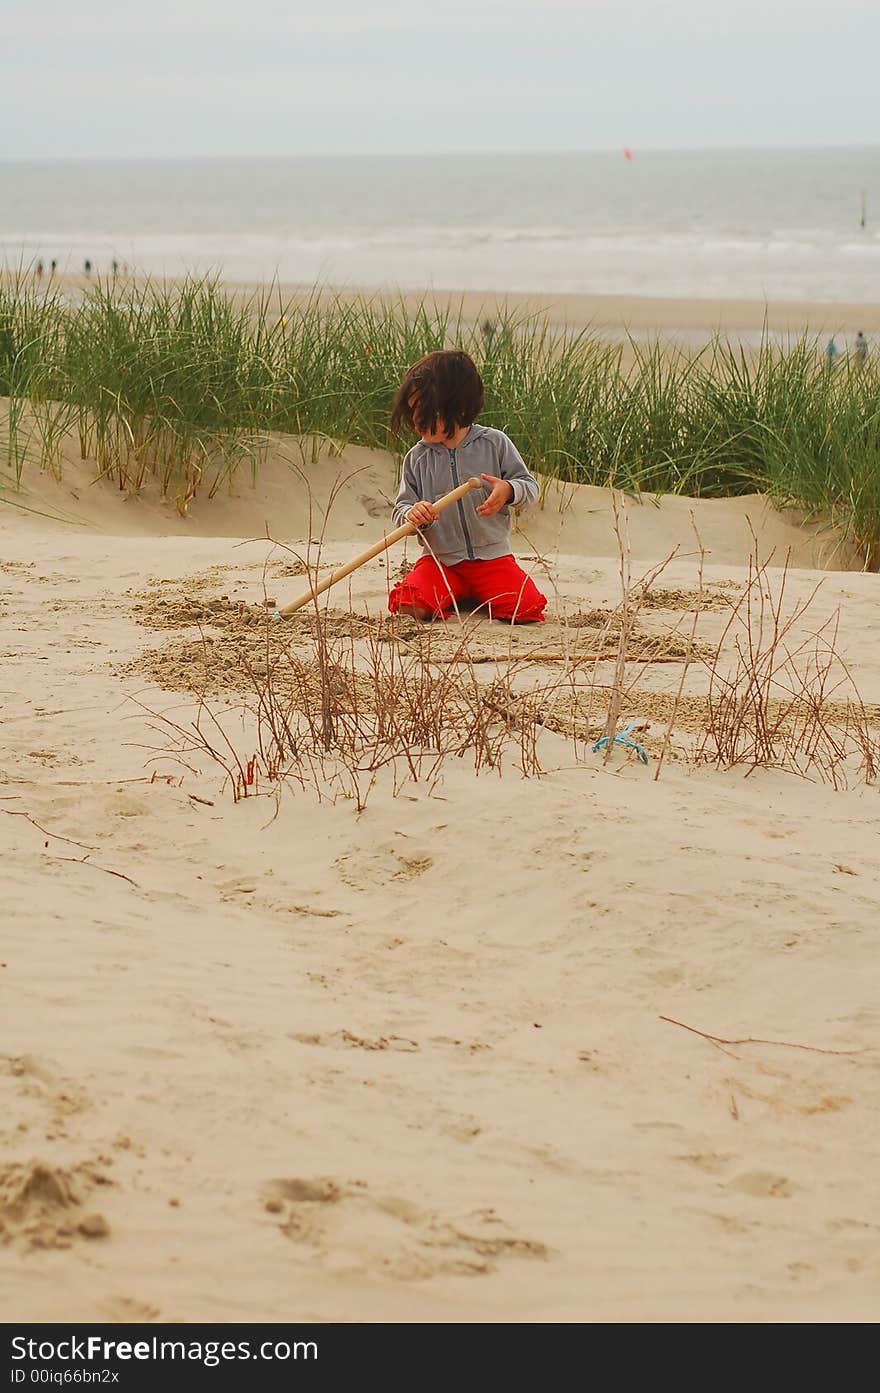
column 860, row 349
column 115, row 266
column 88, row 267
column 487, row 329
column 53, row 268
column 831, row 352
column 38, row 269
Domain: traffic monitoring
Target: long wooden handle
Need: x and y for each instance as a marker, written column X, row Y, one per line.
column 406, row 530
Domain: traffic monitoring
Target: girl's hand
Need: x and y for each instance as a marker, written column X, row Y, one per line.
column 422, row 514
column 501, row 495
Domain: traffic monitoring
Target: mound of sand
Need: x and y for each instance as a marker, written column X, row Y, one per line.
column 295, row 498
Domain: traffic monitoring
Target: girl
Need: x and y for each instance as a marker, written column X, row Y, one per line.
column 467, row 546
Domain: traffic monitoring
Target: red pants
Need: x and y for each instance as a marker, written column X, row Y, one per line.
column 499, row 586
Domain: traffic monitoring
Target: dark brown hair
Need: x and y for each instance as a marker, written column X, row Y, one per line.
column 441, row 387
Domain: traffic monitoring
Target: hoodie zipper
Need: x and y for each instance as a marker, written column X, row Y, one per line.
column 460, row 506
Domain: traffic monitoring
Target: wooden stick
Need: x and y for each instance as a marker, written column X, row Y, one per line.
column 407, row 530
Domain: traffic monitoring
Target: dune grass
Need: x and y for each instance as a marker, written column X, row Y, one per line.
column 182, row 381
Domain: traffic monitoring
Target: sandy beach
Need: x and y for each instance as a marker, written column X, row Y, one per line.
column 643, row 316
column 675, row 316
column 279, row 1059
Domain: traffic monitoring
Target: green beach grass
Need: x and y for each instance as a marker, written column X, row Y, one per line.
column 184, row 381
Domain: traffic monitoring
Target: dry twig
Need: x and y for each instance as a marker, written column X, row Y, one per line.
column 84, row 861
column 10, row 812
column 756, row 1040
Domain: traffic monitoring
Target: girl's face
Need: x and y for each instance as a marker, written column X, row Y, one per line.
column 440, row 435
column 435, row 437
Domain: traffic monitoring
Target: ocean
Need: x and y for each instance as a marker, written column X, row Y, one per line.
column 774, row 224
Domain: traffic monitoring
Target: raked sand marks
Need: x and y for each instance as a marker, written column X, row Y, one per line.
column 239, row 643
column 241, row 650
column 239, row 647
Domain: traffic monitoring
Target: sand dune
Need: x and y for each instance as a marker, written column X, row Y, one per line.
column 298, row 497
column 409, row 1064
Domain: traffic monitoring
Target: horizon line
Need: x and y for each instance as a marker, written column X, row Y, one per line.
column 634, row 149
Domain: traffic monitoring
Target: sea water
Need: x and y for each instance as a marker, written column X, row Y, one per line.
column 773, row 224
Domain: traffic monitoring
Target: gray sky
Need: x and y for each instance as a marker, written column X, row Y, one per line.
column 211, row 77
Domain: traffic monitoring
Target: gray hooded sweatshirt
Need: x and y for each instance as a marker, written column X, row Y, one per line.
column 460, row 534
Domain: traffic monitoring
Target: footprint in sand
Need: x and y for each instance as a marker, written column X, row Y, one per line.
column 712, row 1162
column 348, row 1040
column 233, row 1037
column 380, row 865
column 129, row 805
column 344, row 1227
column 42, row 1081
column 373, row 507
column 128, row 1308
column 764, row 1184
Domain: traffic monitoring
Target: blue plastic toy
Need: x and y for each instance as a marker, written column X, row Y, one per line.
column 622, row 738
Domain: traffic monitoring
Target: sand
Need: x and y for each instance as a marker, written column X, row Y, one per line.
column 287, row 1060
column 691, row 321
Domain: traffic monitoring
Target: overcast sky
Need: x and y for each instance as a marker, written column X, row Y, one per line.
column 266, row 77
